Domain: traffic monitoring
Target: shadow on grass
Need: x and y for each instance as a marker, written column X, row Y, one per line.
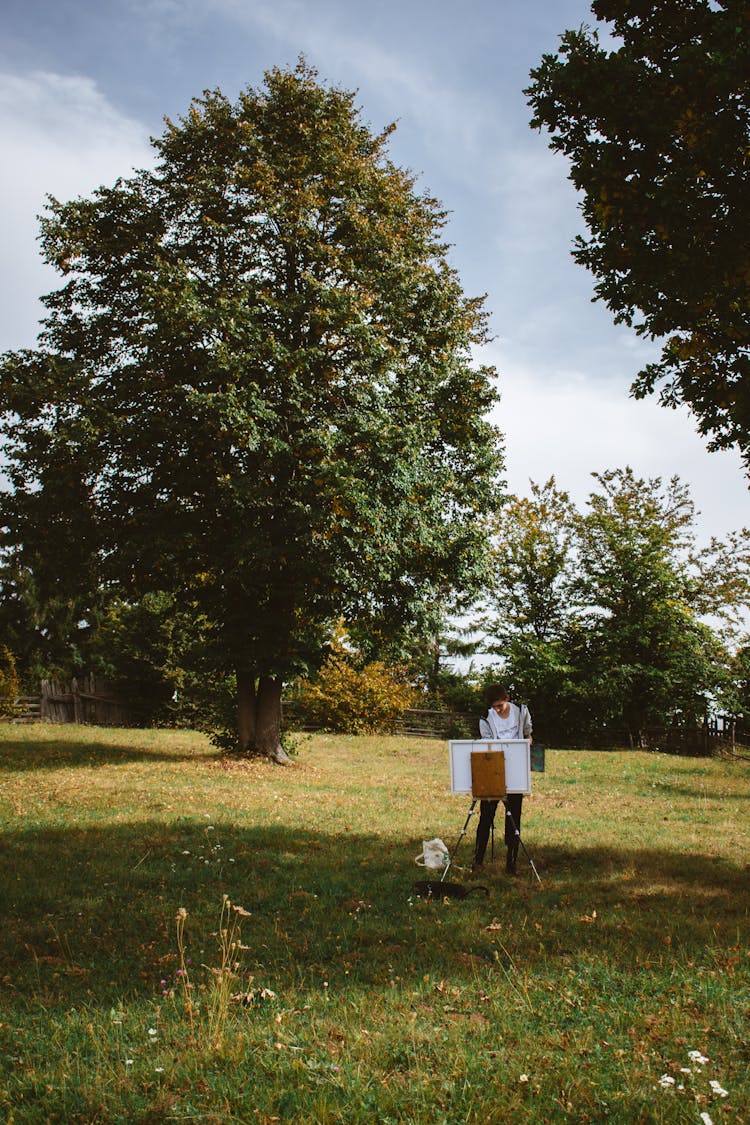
column 90, row 914
column 699, row 792
column 21, row 756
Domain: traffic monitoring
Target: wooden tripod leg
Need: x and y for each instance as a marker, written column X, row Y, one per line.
column 517, row 832
column 451, row 855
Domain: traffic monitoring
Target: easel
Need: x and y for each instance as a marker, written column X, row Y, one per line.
column 462, row 833
column 488, row 784
column 517, row 832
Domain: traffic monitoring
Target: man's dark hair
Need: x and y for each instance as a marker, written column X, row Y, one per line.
column 494, row 692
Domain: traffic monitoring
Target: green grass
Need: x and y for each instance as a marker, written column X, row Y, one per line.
column 357, row 1003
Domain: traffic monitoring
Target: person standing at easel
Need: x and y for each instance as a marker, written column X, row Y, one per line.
column 504, row 720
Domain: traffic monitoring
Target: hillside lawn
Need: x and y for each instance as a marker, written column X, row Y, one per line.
column 132, row 990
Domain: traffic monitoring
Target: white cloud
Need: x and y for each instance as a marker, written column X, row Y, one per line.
column 399, row 79
column 570, row 425
column 61, row 137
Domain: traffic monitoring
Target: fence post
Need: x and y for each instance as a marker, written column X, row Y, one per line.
column 44, row 702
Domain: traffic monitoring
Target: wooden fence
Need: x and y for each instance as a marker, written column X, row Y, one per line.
column 95, row 702
column 719, row 734
column 438, row 724
column 419, row 723
column 84, row 701
column 27, row 709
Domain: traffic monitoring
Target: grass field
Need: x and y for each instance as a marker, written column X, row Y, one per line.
column 133, row 990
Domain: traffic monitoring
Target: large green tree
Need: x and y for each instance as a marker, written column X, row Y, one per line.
column 255, row 388
column 657, row 132
column 646, row 654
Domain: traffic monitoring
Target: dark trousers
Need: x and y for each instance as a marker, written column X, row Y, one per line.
column 487, row 809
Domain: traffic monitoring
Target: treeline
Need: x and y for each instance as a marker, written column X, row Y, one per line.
column 612, row 620
column 607, row 621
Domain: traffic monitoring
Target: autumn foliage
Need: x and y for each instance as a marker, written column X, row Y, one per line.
column 352, row 698
column 8, row 681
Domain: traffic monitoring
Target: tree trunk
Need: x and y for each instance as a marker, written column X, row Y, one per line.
column 246, row 701
column 268, row 719
column 259, row 716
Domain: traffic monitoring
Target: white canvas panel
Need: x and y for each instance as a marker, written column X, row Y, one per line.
column 517, row 763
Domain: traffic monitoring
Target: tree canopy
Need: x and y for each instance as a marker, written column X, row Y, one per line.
column 255, row 388
column 650, row 658
column 615, row 629
column 530, row 607
column 657, row 132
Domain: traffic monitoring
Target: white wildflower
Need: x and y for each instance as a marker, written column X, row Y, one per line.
column 666, row 1081
column 697, row 1057
column 706, row 1119
column 718, row 1090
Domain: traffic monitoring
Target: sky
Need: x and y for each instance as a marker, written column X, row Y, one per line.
column 84, row 84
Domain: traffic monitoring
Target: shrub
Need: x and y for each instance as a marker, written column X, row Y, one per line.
column 8, row 682
column 353, row 700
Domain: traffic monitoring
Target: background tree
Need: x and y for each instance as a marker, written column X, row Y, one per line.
column 530, row 608
column 436, row 636
column 650, row 659
column 152, row 652
column 254, row 391
column 738, row 693
column 657, row 133
column 48, row 615
column 611, row 620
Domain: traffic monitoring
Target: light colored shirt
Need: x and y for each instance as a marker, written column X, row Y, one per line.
column 516, row 724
